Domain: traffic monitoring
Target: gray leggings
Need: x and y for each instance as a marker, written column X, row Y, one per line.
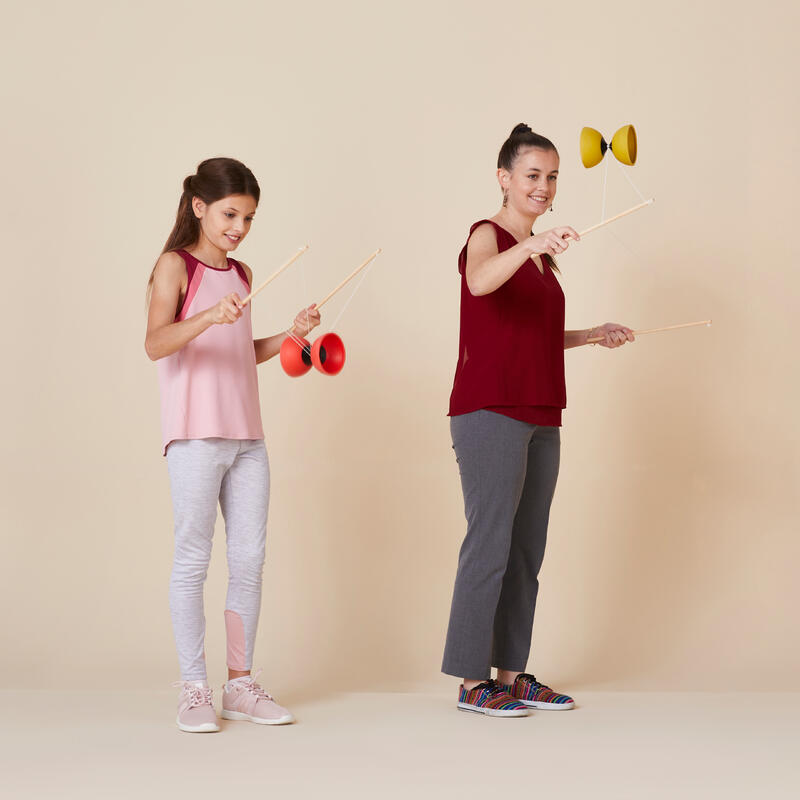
column 508, row 475
column 235, row 473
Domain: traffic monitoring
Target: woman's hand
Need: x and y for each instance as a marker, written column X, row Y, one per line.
column 306, row 320
column 552, row 242
column 227, row 311
column 614, row 335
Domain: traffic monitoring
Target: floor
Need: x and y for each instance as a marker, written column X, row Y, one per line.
column 614, row 745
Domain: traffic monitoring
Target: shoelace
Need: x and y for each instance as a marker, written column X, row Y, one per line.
column 250, row 684
column 198, row 695
column 532, row 679
column 493, row 688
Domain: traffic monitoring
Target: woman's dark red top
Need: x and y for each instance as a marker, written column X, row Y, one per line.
column 511, row 344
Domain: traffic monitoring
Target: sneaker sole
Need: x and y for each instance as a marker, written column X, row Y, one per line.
column 206, row 727
column 548, row 706
column 238, row 715
column 493, row 712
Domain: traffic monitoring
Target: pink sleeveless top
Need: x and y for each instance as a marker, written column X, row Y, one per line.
column 209, row 388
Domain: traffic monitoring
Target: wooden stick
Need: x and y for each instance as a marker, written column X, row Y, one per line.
column 275, row 274
column 348, row 278
column 595, row 339
column 617, row 216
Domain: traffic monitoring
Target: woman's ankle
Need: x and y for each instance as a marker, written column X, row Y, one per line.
column 506, row 677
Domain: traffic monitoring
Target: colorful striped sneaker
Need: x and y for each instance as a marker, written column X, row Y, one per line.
column 492, row 699
column 533, row 694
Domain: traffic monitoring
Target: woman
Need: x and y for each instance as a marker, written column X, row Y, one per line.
column 505, row 412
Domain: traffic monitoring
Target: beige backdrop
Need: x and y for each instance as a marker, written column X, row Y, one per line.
column 673, row 544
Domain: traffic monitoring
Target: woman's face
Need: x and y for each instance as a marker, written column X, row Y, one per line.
column 227, row 221
column 531, row 183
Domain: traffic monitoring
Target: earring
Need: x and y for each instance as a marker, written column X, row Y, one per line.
column 551, row 208
column 505, row 198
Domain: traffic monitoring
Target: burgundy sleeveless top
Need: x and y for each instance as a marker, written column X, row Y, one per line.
column 511, row 344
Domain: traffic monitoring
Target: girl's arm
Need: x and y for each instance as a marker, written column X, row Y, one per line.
column 488, row 270
column 305, row 321
column 164, row 335
column 615, row 336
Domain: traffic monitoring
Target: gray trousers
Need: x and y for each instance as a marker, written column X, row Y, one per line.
column 235, row 474
column 508, row 475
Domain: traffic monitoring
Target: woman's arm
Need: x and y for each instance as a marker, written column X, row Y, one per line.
column 615, row 336
column 576, row 338
column 164, row 335
column 488, row 270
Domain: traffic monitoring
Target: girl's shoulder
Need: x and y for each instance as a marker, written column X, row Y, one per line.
column 170, row 267
column 247, row 270
column 171, row 261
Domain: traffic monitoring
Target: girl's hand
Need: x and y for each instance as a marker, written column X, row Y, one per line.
column 227, row 311
column 552, row 242
column 615, row 335
column 306, row 320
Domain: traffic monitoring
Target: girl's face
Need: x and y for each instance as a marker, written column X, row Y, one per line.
column 227, row 221
column 531, row 183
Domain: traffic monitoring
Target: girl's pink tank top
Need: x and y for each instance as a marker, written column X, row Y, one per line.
column 209, row 388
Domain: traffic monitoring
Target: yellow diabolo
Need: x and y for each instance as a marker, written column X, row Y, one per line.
column 594, row 146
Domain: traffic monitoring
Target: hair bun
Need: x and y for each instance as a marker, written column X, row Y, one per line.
column 520, row 129
column 187, row 183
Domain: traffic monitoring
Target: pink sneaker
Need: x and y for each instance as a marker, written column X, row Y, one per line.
column 243, row 698
column 195, row 709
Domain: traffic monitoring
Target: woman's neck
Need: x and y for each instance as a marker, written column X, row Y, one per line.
column 516, row 222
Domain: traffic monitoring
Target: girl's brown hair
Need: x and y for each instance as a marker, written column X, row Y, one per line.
column 215, row 178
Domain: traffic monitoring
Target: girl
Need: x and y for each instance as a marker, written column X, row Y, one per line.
column 505, row 412
column 199, row 332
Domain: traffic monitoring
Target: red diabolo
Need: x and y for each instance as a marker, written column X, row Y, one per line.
column 328, row 354
column 295, row 356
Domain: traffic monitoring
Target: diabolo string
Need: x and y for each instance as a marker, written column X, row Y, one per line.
column 630, row 181
column 353, row 293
